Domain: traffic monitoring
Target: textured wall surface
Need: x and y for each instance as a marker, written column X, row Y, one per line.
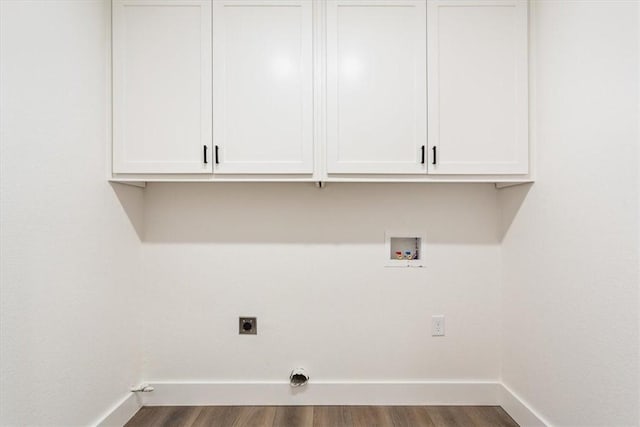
column 570, row 251
column 70, row 256
column 310, row 264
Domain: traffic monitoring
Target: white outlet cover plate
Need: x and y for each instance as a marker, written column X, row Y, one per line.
column 437, row 325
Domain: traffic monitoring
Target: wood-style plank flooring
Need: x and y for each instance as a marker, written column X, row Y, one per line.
column 322, row 416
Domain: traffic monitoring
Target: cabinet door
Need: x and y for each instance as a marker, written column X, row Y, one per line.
column 477, row 56
column 162, row 86
column 376, row 86
column 262, row 89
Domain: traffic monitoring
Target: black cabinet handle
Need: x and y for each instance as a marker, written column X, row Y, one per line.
column 422, row 155
column 435, row 159
column 217, row 157
column 204, row 149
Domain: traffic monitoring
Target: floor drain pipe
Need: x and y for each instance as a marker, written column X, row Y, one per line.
column 298, row 377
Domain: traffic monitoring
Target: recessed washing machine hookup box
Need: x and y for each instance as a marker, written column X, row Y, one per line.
column 404, row 249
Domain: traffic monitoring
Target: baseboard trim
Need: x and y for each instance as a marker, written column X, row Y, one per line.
column 326, row 393
column 121, row 412
column 519, row 410
column 323, row 393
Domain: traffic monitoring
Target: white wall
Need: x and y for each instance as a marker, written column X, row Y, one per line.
column 308, row 263
column 69, row 254
column 570, row 250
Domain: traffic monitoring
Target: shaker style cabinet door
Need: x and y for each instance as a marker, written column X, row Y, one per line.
column 262, row 86
column 162, row 86
column 376, row 86
column 478, row 103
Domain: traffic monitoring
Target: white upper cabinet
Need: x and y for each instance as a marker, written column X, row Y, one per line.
column 263, row 86
column 162, row 86
column 397, row 90
column 478, row 107
column 376, row 86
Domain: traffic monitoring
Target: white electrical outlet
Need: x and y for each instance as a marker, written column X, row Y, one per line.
column 437, row 325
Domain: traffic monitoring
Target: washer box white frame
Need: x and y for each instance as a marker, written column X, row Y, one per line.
column 390, row 262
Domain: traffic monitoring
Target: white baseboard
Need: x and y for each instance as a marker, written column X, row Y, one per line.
column 519, row 410
column 323, row 393
column 327, row 393
column 122, row 412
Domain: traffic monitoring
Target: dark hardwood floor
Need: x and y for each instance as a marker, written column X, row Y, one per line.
column 322, row 416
